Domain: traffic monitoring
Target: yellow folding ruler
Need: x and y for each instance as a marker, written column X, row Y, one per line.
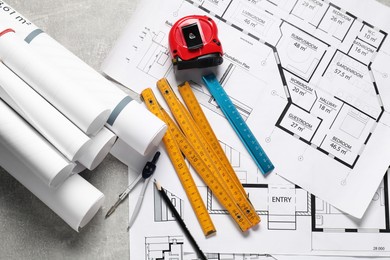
column 197, row 114
column 202, row 167
column 174, row 134
column 244, row 213
column 180, row 166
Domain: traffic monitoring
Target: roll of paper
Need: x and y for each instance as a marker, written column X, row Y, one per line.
column 78, row 168
column 137, row 124
column 73, row 67
column 40, row 114
column 129, row 120
column 130, row 157
column 22, row 141
column 97, row 149
column 13, row 19
column 64, row 93
column 76, row 201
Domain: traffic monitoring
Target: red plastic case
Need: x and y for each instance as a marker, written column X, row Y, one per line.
column 194, row 43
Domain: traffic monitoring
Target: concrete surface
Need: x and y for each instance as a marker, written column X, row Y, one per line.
column 28, row 229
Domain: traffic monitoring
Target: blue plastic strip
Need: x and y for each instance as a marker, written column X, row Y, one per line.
column 32, row 35
column 118, row 109
column 238, row 123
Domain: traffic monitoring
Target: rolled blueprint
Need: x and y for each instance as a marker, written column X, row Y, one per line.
column 40, row 114
column 64, row 93
column 96, row 85
column 97, row 149
column 76, row 201
column 130, row 157
column 19, row 139
column 129, row 120
column 78, row 168
column 140, row 126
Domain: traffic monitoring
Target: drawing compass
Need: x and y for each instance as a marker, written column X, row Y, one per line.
column 147, row 172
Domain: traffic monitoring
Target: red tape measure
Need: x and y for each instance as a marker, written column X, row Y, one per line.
column 194, row 43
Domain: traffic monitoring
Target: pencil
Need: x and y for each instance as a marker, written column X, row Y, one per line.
column 177, row 216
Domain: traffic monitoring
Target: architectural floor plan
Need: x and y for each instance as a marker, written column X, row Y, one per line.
column 311, row 79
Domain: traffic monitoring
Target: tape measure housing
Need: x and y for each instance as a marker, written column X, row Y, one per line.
column 194, row 43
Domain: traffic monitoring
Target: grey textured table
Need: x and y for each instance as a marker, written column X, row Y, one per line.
column 28, row 229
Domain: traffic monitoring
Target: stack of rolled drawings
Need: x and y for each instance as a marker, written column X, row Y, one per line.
column 58, row 117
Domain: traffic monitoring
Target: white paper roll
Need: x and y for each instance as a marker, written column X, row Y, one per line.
column 127, row 155
column 64, row 93
column 91, row 80
column 71, row 66
column 41, row 158
column 78, row 168
column 15, row 20
column 76, row 201
column 47, row 120
column 139, row 128
column 96, row 151
column 134, row 124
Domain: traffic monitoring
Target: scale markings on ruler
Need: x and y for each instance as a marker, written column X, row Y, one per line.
column 181, row 167
column 238, row 123
column 199, row 117
column 197, row 140
column 203, row 169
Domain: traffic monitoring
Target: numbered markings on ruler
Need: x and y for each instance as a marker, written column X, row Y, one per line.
column 238, row 123
column 245, row 212
column 181, row 168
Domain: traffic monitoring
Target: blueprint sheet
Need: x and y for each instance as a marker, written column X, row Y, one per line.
column 311, row 79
